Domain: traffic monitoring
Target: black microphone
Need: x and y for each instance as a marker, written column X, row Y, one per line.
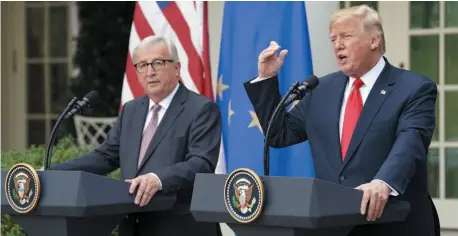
column 53, row 132
column 72, row 108
column 295, row 92
column 91, row 97
column 310, row 83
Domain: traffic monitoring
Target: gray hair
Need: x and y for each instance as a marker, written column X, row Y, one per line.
column 370, row 18
column 155, row 39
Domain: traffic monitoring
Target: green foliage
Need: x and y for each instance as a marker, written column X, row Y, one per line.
column 34, row 156
column 9, row 228
column 64, row 150
column 101, row 53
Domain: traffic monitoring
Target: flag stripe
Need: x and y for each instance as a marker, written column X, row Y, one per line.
column 161, row 26
column 126, row 94
column 134, row 85
column 207, row 79
column 134, row 39
column 141, row 24
column 191, row 16
column 181, row 28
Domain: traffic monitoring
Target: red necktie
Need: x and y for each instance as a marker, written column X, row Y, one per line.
column 352, row 111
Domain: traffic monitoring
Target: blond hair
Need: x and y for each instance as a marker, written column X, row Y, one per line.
column 370, row 20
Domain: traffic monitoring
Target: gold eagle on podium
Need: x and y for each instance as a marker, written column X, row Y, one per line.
column 243, row 195
column 22, row 187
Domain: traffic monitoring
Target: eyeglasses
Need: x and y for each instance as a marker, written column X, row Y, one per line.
column 158, row 64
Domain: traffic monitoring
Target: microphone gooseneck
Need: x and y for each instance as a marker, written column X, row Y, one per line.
column 295, row 92
column 73, row 107
column 53, row 133
column 272, row 118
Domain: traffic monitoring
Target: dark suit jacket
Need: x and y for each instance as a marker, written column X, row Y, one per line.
column 390, row 141
column 187, row 141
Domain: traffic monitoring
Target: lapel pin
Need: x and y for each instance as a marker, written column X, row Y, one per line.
column 383, row 92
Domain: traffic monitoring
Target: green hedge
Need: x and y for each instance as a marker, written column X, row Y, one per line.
column 34, row 156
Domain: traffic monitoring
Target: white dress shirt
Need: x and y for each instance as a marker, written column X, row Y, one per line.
column 165, row 103
column 369, row 80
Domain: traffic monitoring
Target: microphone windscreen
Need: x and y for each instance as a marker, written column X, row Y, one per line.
column 312, row 81
column 92, row 96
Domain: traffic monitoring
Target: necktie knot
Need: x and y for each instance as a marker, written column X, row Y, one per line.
column 358, row 83
column 155, row 109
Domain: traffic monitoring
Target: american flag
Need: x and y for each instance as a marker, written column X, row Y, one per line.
column 186, row 24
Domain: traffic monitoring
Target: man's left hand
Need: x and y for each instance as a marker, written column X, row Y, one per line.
column 376, row 194
column 147, row 184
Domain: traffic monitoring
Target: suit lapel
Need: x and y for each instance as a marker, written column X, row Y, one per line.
column 378, row 94
column 136, row 132
column 175, row 108
column 336, row 95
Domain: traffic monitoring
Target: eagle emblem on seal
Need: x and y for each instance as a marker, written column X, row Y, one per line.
column 22, row 192
column 243, row 200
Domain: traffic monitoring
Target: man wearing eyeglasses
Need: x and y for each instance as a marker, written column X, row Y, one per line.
column 160, row 141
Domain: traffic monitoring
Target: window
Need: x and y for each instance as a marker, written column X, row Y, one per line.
column 433, row 37
column 48, row 62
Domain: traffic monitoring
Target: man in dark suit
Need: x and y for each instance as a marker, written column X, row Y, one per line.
column 160, row 141
column 369, row 125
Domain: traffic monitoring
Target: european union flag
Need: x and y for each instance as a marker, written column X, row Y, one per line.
column 248, row 28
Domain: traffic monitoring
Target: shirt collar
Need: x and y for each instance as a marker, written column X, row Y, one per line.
column 371, row 76
column 165, row 103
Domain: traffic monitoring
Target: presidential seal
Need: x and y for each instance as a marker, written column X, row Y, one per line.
column 244, row 195
column 22, row 188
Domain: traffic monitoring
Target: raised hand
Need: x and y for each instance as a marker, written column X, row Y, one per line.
column 268, row 62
